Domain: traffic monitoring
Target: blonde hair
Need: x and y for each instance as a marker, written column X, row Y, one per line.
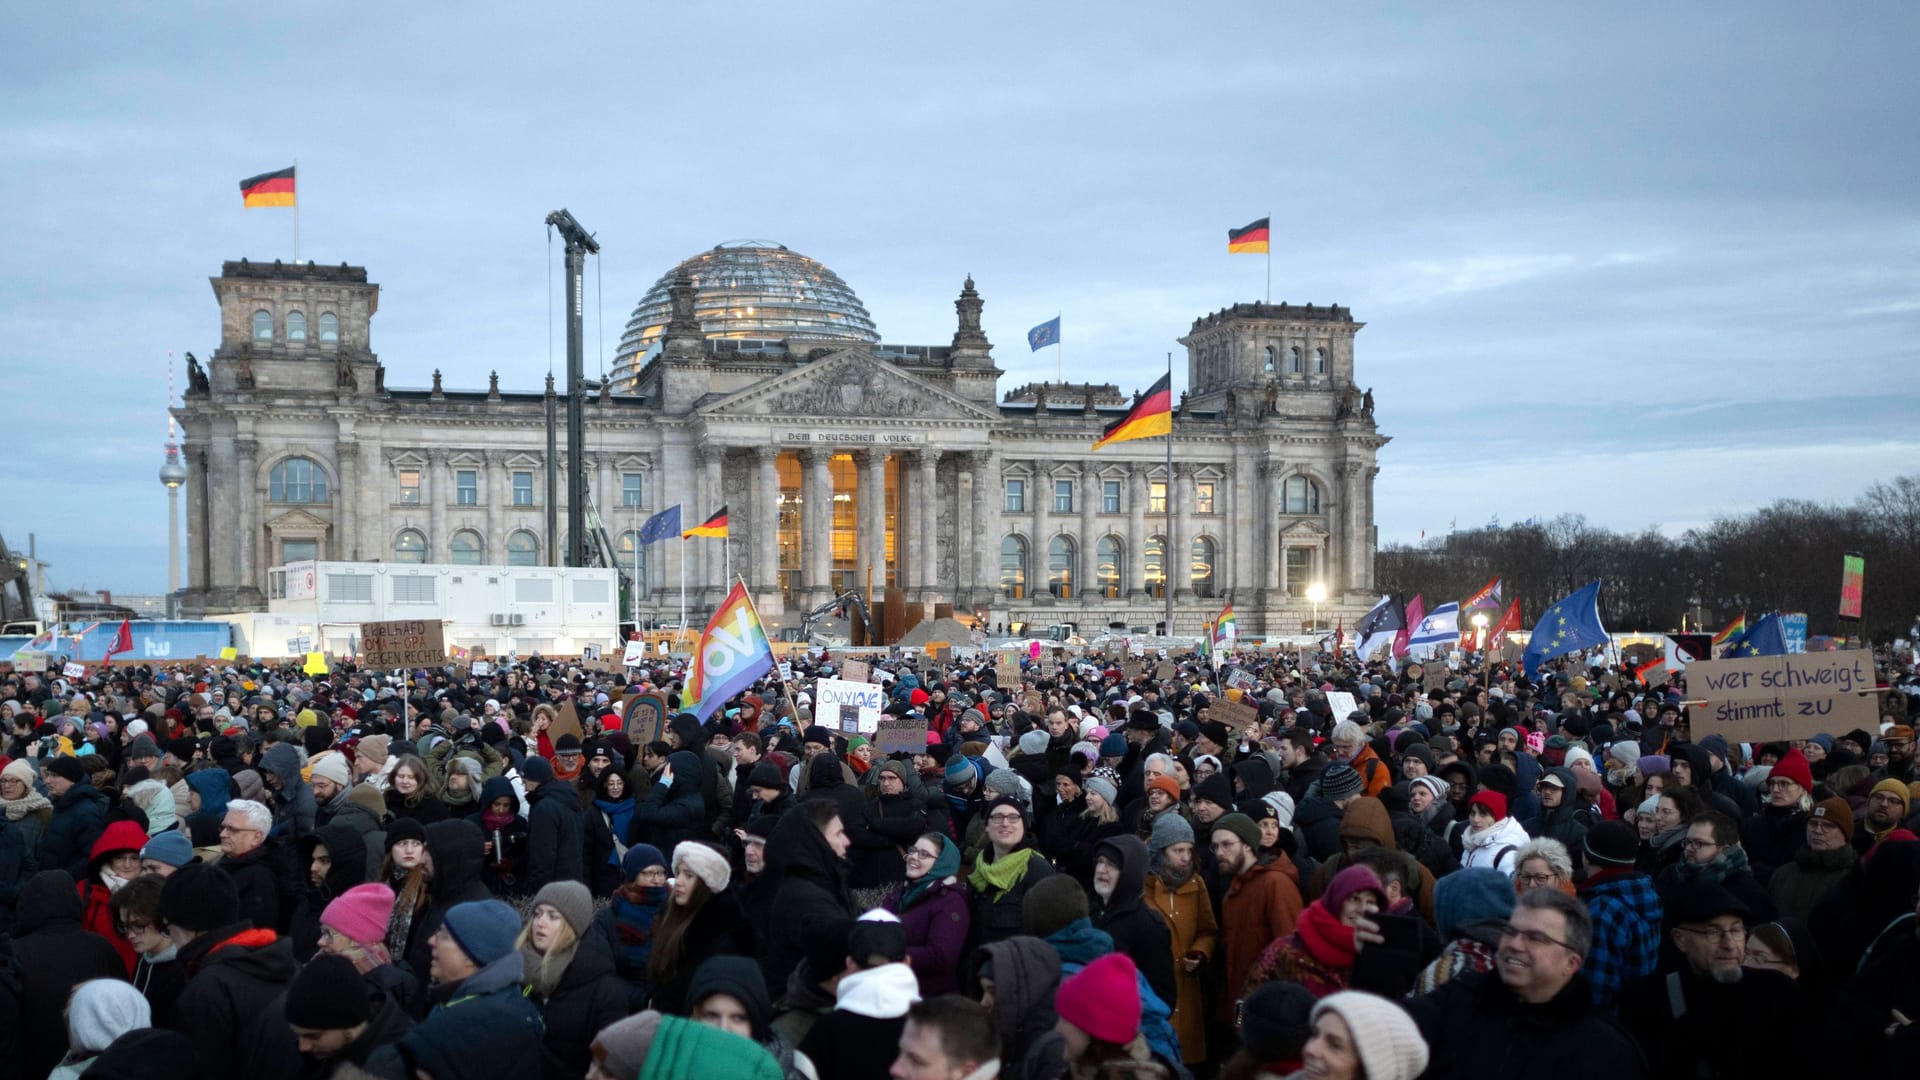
column 544, row 969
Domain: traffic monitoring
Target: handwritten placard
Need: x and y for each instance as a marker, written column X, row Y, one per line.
column 402, row 643
column 1764, row 698
column 1236, row 715
column 72, row 670
column 894, row 736
column 1006, row 670
column 856, row 671
column 1164, row 670
column 856, row 701
column 646, row 717
column 1341, row 705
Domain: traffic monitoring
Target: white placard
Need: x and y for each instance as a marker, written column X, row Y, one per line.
column 589, row 652
column 482, row 667
column 636, row 654
column 72, row 670
column 786, row 671
column 1341, row 704
column 864, row 700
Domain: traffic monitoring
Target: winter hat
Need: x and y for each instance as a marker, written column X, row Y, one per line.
column 621, row 1048
column 1898, row 790
column 484, row 929
column 1578, row 754
column 1792, row 765
column 571, row 899
column 405, row 829
column 1053, row 902
column 1034, row 742
column 1168, row 830
column 1163, row 782
column 704, row 863
column 1492, row 801
column 142, row 747
column 361, row 913
column 1612, row 843
column 68, row 769
column 1105, row 787
column 1217, row 733
column 1474, row 894
column 1385, row 1037
column 1716, row 744
column 959, row 769
column 171, row 847
column 1339, row 781
column 877, row 935
column 537, row 770
column 19, row 769
column 1434, row 785
column 373, row 748
column 1837, row 811
column 332, row 767
column 1626, row 752
column 638, row 858
column 1009, row 784
column 1216, row 789
column 102, row 1010
column 1274, row 1024
column 1280, row 804
column 327, row 995
column 1241, row 826
column 1114, row 745
column 1700, row 900
column 250, row 784
column 1354, row 879
column 765, row 774
column 200, row 898
column 1654, row 764
column 1103, row 999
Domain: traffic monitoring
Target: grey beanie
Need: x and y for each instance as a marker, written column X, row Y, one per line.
column 1105, row 787
column 1034, row 742
column 1169, row 829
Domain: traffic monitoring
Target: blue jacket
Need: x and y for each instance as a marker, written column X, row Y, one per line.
column 479, row 1028
column 79, row 817
column 1626, row 932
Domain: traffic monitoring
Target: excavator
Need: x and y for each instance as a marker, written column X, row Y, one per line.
column 17, row 615
column 849, row 603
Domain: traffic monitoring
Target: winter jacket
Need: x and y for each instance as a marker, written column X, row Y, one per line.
column 860, row 1038
column 1627, row 916
column 390, row 1022
column 936, row 926
column 506, row 862
column 1366, row 822
column 894, row 823
column 1798, row 886
column 1026, row 972
column 16, row 866
column 1761, row 1002
column 1772, row 838
column 79, row 817
column 628, row 926
column 1475, row 1028
column 56, row 954
column 423, row 808
column 480, row 1028
column 1494, row 848
column 294, row 811
column 812, row 888
column 260, row 876
column 588, row 997
column 556, row 837
column 456, row 849
column 347, row 857
column 1136, row 928
column 998, row 915
column 1317, row 823
column 1079, row 943
column 160, row 980
column 1374, row 774
column 1561, row 823
column 1259, row 906
column 826, row 777
column 669, row 814
column 96, row 898
column 717, row 929
column 1190, row 922
column 233, row 975
column 342, row 810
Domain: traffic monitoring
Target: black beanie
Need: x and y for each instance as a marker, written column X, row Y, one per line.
column 1052, row 902
column 68, row 769
column 328, row 995
column 405, row 829
column 200, row 898
column 826, row 946
column 1274, row 1024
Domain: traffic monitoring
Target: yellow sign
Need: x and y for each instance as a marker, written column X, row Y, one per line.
column 229, row 653
column 316, row 663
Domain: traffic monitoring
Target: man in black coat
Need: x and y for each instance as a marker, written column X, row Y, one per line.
column 860, row 1038
column 79, row 817
column 251, row 857
column 1531, row 1017
column 807, row 856
column 235, row 972
column 556, row 828
column 337, row 1019
column 56, row 954
column 1120, row 908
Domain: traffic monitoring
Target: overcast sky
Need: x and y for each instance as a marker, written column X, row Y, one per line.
column 1648, row 262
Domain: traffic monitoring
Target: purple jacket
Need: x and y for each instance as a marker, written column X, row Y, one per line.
column 936, row 934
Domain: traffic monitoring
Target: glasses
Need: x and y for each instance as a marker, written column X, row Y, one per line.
column 1721, row 933
column 225, row 829
column 1696, row 845
column 1003, row 819
column 1532, row 937
column 921, row 855
column 1534, row 881
column 1886, row 799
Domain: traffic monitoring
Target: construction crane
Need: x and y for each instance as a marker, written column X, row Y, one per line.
column 16, row 586
column 836, row 607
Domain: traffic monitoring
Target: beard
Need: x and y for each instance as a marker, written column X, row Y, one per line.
column 1727, row 976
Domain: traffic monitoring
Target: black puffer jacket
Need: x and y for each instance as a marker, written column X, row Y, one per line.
column 1137, row 930
column 588, row 997
column 667, row 814
column 1475, row 1027
column 294, row 809
column 347, row 850
column 556, row 837
column 79, row 817
column 261, row 876
column 233, row 975
column 718, row 929
column 813, row 886
column 457, row 851
column 56, row 954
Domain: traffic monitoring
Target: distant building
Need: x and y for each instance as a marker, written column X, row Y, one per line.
column 753, row 377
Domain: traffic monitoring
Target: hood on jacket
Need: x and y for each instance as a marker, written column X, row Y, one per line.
column 1366, row 819
column 48, row 897
column 345, row 847
column 1257, row 775
column 283, row 761
column 823, row 772
column 686, row 766
column 1130, row 854
column 458, row 849
column 881, row 993
column 214, row 787
column 118, row 836
column 1571, row 788
column 686, row 727
column 1506, row 831
column 500, row 787
column 738, row 977
column 798, row 848
column 1025, row 972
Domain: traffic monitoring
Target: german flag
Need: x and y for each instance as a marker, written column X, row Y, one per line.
column 1252, row 239
column 1152, row 416
column 713, row 526
column 268, row 189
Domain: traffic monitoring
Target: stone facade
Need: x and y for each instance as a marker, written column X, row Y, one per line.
column 296, row 448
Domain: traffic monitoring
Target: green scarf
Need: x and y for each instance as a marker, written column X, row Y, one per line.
column 1002, row 874
column 944, row 867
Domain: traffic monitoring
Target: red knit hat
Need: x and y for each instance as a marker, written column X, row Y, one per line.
column 1492, row 801
column 1793, row 766
column 1103, row 999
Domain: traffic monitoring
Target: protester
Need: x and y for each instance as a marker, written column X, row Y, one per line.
column 56, row 953
column 569, row 974
column 158, row 975
column 932, row 906
column 100, row 1011
column 337, row 1022
column 235, row 971
column 702, row 920
column 481, row 1023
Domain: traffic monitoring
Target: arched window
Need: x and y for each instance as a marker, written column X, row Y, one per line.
column 1319, row 361
column 1060, row 559
column 523, row 549
column 410, row 546
column 263, row 326
column 1300, row 495
column 296, row 326
column 1268, row 366
column 1296, row 363
column 1202, row 572
column 329, row 328
column 297, row 480
column 1013, row 568
column 1109, row 555
column 623, row 549
column 1156, row 568
column 466, row 548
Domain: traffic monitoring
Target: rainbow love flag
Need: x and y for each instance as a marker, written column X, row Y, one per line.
column 733, row 652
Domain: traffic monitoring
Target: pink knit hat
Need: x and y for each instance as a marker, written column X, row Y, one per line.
column 1103, row 999
column 361, row 913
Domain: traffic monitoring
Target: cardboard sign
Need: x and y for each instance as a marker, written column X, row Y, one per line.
column 1241, row 679
column 1435, row 677
column 567, row 723
column 856, row 671
column 894, row 736
column 229, row 653
column 1164, row 670
column 1342, row 705
column 1234, row 714
column 939, row 651
column 72, row 670
column 1766, row 698
column 636, row 653
column 589, row 652
column 645, row 716
column 1133, row 670
column 1006, row 670
column 28, row 660
column 856, row 705
column 404, row 643
column 786, row 670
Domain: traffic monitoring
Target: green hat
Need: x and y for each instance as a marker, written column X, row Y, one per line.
column 1241, row 826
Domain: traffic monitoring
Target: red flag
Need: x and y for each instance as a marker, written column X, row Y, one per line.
column 1416, row 610
column 1509, row 621
column 122, row 640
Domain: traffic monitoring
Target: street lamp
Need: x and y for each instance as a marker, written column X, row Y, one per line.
column 1480, row 629
column 1316, row 592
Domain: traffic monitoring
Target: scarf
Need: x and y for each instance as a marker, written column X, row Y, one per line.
column 619, row 815
column 569, row 774
column 492, row 822
column 411, row 890
column 1663, row 842
column 1326, row 938
column 943, row 869
column 635, row 909
column 1730, row 861
column 19, row 808
column 114, row 882
column 543, row 973
column 1000, row 875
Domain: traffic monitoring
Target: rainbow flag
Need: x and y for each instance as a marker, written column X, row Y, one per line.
column 732, row 653
column 1225, row 628
column 1733, row 631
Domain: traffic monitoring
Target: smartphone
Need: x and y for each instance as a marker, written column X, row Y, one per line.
column 1402, row 932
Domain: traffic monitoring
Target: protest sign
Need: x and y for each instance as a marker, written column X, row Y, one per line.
column 316, row 664
column 1237, row 715
column 894, row 736
column 636, row 654
column 1435, row 677
column 1006, row 670
column 1133, row 670
column 589, row 652
column 402, row 643
column 72, row 670
column 567, row 723
column 1797, row 696
column 856, row 671
column 1341, row 705
column 28, row 660
column 1241, row 679
column 645, row 716
column 856, row 705
column 482, row 667
column 786, row 670
column 1164, row 670
column 229, row 653
column 939, row 651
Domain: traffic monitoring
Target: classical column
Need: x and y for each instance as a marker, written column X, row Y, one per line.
column 1041, row 497
column 764, row 521
column 926, row 523
column 870, row 497
column 982, row 475
column 1179, row 548
column 346, row 489
column 439, row 491
column 372, row 496
column 246, row 523
column 713, row 553
column 1086, row 574
column 816, row 542
column 1367, row 538
column 199, row 537
column 1134, row 575
column 493, row 470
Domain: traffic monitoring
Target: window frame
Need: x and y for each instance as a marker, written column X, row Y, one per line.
column 478, row 551
column 531, row 553
column 465, row 493
column 518, row 491
column 1203, row 498
column 258, row 325
column 1063, row 496
column 401, row 554
column 410, row 494
column 633, row 489
column 329, row 330
column 1112, row 497
column 1016, row 492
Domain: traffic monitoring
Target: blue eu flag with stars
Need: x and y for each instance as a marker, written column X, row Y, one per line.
column 664, row 525
column 1047, row 333
column 1766, row 638
column 1569, row 625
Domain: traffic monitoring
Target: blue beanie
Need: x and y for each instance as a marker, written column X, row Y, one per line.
column 959, row 769
column 1114, row 745
column 537, row 769
column 171, row 847
column 484, row 929
column 638, row 858
column 1472, row 895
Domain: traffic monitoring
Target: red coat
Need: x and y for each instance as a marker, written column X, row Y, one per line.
column 96, row 899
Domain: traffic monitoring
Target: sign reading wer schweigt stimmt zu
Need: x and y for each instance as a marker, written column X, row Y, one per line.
column 1796, row 696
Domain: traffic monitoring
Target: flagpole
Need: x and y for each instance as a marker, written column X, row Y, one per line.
column 634, row 519
column 1059, row 350
column 683, row 583
column 296, row 211
column 1166, row 546
column 1269, row 256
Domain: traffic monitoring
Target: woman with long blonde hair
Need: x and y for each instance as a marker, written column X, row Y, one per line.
column 570, row 975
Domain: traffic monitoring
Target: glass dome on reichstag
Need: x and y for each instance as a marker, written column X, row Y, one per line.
column 750, row 290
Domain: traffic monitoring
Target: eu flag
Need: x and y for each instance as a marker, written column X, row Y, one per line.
column 1047, row 333
column 1569, row 625
column 664, row 525
column 1766, row 638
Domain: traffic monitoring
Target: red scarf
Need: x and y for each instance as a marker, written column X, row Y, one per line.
column 1326, row 938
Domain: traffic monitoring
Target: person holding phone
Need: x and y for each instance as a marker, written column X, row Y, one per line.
column 1321, row 952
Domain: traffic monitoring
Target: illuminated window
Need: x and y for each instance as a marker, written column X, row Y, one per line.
column 1267, row 365
column 410, row 487
column 1013, row 568
column 1108, row 556
column 1203, row 497
column 1156, row 566
column 1060, row 560
column 626, row 550
column 410, row 546
column 1299, row 571
column 1202, row 571
column 1156, row 498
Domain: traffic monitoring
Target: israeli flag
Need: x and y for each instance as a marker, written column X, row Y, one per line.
column 1438, row 632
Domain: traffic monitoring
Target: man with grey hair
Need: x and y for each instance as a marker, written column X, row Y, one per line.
column 251, row 857
column 1350, row 746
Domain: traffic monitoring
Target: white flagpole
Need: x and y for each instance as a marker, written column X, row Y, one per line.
column 296, row 211
column 683, row 583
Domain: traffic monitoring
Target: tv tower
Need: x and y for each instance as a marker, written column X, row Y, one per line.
column 172, row 474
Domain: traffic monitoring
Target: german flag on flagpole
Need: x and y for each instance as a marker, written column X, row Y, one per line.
column 713, row 526
column 268, row 189
column 1151, row 416
column 1250, row 240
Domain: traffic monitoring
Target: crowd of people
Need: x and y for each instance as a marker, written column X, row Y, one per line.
column 219, row 872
